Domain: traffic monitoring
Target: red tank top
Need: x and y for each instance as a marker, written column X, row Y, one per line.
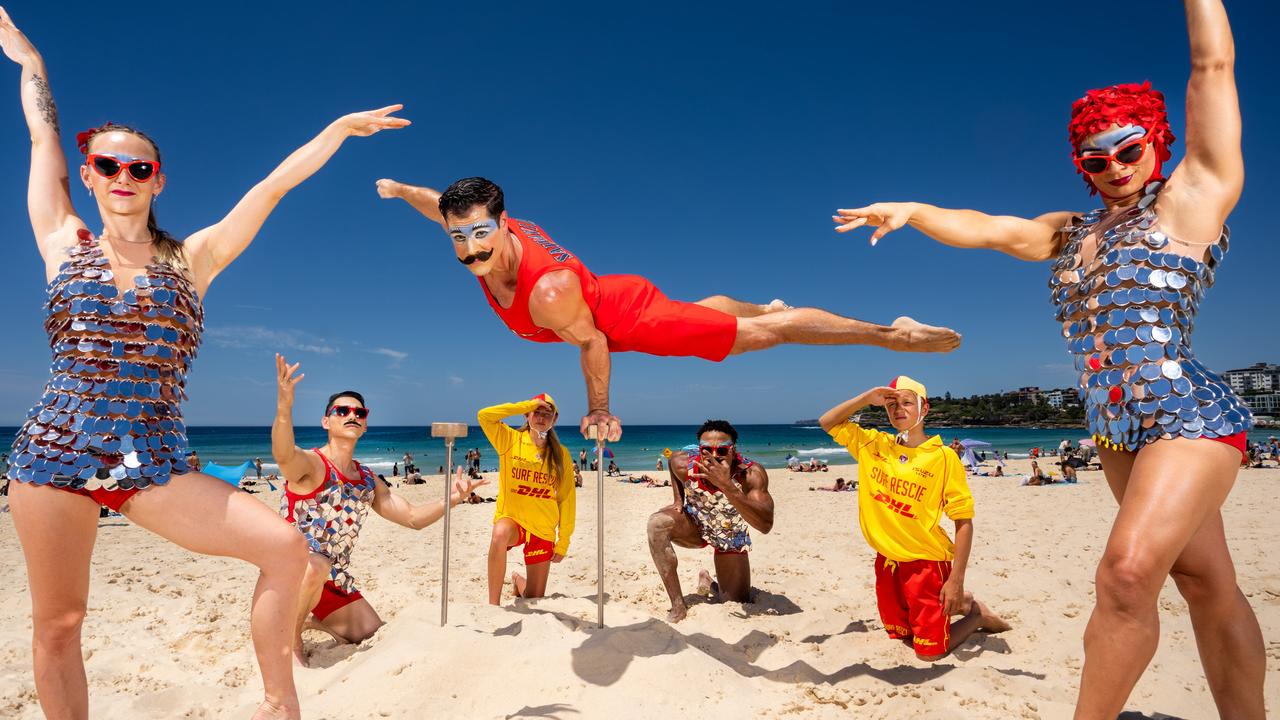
column 540, row 256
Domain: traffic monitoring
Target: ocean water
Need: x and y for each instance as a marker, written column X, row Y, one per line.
column 639, row 449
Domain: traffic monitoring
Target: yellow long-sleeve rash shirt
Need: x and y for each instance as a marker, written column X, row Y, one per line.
column 527, row 493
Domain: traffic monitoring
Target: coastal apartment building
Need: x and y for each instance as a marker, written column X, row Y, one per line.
column 1257, row 378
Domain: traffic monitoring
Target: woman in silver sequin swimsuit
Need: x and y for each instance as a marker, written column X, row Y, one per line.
column 1126, row 282
column 124, row 316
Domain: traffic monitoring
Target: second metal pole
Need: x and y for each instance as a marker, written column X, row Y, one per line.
column 600, row 530
column 444, row 566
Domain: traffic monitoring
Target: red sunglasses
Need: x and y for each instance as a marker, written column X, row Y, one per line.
column 345, row 410
column 1127, row 155
column 720, row 451
column 109, row 167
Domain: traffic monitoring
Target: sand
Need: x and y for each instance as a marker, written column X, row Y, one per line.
column 167, row 631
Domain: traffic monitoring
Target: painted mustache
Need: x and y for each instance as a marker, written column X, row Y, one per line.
column 481, row 256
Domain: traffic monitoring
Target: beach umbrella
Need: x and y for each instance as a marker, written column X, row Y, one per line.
column 608, row 453
column 227, row 474
column 974, row 443
column 1087, row 442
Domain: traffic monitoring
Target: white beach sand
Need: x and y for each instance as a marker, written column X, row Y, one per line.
column 167, row 632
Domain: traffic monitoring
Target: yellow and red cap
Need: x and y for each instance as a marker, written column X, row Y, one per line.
column 546, row 398
column 902, row 382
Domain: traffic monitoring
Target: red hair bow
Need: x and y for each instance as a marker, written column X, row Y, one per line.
column 83, row 138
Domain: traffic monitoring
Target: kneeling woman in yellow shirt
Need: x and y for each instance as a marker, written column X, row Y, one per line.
column 535, row 494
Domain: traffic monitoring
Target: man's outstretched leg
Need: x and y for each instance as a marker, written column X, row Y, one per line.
column 810, row 326
column 737, row 308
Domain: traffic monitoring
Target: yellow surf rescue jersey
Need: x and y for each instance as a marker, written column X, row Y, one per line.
column 903, row 493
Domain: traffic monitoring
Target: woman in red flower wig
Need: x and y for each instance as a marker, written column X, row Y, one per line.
column 1126, row 282
column 124, row 316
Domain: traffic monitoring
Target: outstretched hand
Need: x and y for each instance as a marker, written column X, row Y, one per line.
column 363, row 124
column 885, row 217
column 16, row 46
column 286, row 381
column 463, row 486
column 387, row 189
column 607, row 425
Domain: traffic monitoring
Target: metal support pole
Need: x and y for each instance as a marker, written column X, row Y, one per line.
column 448, row 431
column 593, row 434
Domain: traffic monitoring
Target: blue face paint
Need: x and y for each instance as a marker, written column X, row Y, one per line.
column 1108, row 141
column 475, row 231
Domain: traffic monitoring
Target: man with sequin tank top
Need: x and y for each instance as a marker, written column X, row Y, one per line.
column 1126, row 282
column 124, row 314
column 544, row 293
column 718, row 495
column 327, row 495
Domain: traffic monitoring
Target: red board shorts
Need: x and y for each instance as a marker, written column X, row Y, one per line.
column 114, row 499
column 536, row 550
column 333, row 598
column 638, row 317
column 909, row 597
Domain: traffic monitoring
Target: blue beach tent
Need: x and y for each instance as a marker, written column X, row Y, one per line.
column 229, row 475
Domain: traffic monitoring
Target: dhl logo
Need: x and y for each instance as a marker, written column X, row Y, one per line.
column 903, row 509
column 543, row 493
column 536, row 553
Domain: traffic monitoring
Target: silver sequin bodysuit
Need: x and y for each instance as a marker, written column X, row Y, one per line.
column 330, row 517
column 111, row 415
column 720, row 523
column 1127, row 318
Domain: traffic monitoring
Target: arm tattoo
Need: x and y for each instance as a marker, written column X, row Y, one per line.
column 44, row 102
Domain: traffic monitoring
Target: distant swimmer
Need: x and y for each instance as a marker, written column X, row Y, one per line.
column 718, row 496
column 544, row 293
column 906, row 483
column 536, row 497
column 327, row 495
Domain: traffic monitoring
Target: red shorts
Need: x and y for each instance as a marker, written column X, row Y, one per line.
column 114, row 499
column 333, row 598
column 638, row 317
column 536, row 550
column 909, row 597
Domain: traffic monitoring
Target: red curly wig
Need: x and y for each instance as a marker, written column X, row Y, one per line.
column 1128, row 104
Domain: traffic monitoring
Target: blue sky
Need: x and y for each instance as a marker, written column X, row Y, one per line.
column 703, row 145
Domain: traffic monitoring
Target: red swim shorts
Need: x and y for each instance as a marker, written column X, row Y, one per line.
column 333, row 598
column 638, row 317
column 909, row 597
column 536, row 550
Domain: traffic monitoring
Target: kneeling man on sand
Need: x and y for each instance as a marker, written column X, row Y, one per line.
column 718, row 493
column 906, row 482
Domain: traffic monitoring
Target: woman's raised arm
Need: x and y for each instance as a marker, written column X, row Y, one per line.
column 212, row 249
column 48, row 191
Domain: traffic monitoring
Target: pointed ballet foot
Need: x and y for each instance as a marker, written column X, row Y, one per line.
column 912, row 336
